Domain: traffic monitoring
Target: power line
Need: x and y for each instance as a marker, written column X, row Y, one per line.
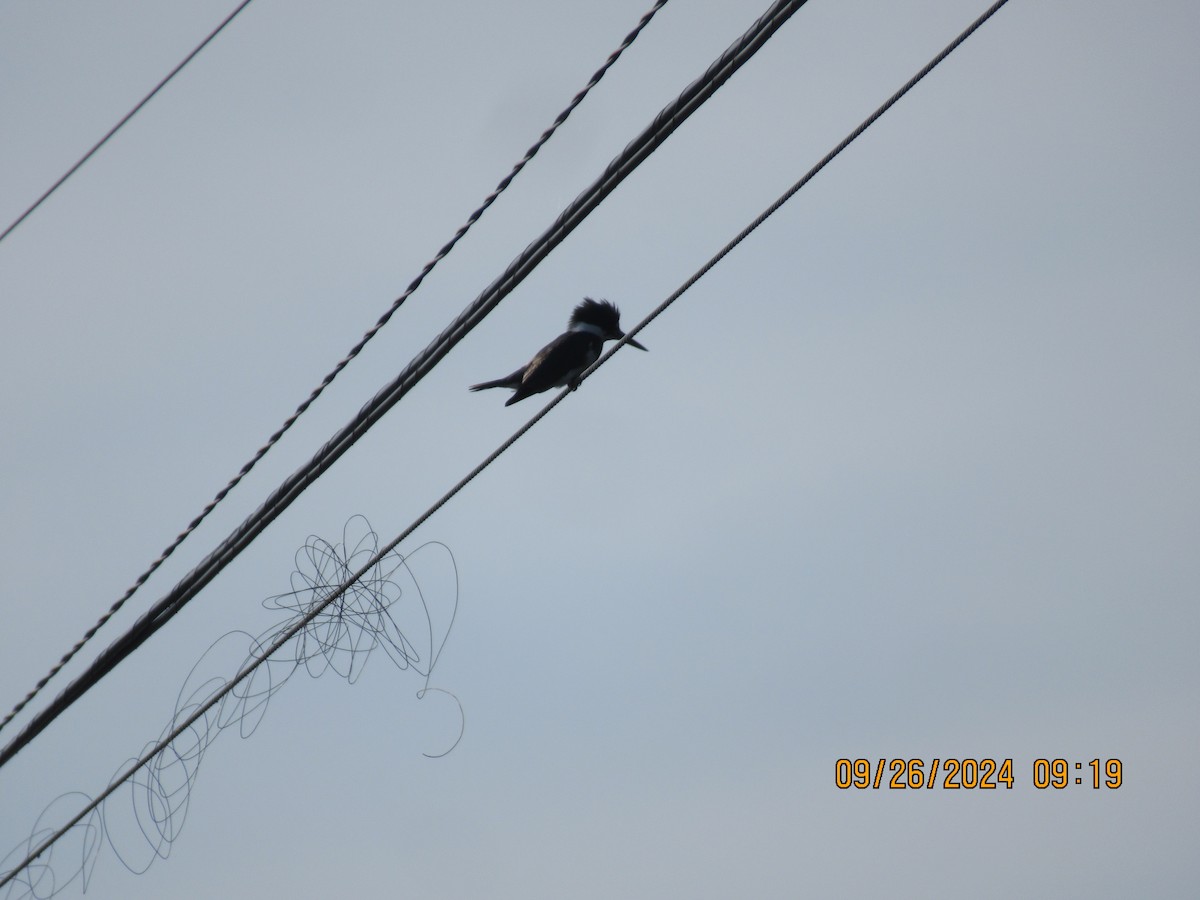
column 492, row 457
column 328, row 379
column 664, row 124
column 121, row 124
column 808, row 176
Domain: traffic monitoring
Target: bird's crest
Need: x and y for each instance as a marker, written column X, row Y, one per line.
column 601, row 313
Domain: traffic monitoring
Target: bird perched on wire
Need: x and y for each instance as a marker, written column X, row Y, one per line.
column 563, row 360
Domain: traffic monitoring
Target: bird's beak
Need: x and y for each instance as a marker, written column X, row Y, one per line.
column 632, row 343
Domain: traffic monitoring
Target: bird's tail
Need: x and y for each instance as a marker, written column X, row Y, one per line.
column 509, row 381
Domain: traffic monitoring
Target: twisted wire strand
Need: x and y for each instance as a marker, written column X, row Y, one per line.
column 354, row 351
column 665, row 124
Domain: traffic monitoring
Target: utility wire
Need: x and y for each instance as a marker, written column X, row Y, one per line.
column 328, row 379
column 664, row 124
column 808, row 176
column 492, row 457
column 121, row 124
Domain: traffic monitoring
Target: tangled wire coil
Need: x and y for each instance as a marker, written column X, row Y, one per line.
column 387, row 608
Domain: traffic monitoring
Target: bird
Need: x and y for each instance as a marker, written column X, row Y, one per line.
column 563, row 360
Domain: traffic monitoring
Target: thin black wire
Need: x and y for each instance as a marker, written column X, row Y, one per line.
column 328, row 379
column 664, row 124
column 517, row 435
column 121, row 124
column 787, row 195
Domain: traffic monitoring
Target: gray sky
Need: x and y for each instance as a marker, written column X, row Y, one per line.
column 911, row 474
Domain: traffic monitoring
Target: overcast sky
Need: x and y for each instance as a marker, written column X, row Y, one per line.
column 911, row 474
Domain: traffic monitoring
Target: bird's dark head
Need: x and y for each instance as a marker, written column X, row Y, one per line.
column 600, row 317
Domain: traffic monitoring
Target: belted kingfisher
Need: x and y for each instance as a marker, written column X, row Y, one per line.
column 563, row 360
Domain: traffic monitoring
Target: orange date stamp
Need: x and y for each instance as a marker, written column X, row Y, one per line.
column 983, row 774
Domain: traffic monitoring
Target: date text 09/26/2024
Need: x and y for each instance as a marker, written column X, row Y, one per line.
column 974, row 774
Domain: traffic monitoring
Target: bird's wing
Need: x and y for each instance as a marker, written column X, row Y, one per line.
column 555, row 362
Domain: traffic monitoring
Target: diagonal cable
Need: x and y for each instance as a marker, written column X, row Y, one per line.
column 121, row 124
column 664, row 124
column 808, row 176
column 328, row 379
column 492, row 457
